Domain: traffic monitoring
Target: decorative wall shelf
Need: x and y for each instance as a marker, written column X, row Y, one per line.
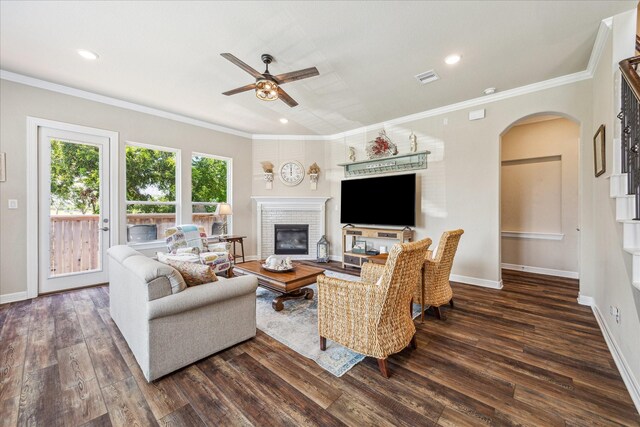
column 400, row 163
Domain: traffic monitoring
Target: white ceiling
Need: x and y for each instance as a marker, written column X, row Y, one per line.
column 166, row 55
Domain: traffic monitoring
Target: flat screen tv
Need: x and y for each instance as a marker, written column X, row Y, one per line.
column 387, row 200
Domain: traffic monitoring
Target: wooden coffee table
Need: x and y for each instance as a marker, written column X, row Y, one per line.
column 290, row 284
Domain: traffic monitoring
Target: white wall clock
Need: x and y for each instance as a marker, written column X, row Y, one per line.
column 291, row 173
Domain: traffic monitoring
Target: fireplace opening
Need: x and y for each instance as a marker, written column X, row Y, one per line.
column 291, row 239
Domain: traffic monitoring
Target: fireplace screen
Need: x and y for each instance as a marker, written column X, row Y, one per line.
column 291, row 239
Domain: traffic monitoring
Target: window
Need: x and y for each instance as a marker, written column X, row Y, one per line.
column 210, row 185
column 152, row 191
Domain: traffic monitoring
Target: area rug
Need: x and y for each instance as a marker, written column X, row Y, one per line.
column 297, row 327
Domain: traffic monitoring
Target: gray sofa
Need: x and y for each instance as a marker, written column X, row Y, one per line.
column 168, row 325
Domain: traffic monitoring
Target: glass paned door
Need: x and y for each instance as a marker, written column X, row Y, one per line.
column 73, row 209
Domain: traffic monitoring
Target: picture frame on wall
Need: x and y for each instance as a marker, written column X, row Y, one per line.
column 3, row 167
column 599, row 157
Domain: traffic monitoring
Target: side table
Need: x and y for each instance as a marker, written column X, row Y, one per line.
column 232, row 238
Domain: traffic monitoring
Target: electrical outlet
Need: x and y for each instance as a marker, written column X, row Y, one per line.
column 13, row 204
column 615, row 313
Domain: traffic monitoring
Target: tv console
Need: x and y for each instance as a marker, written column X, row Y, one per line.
column 351, row 234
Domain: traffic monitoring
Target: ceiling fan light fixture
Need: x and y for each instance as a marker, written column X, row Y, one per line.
column 266, row 90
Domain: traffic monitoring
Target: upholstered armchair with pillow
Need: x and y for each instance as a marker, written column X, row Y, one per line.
column 436, row 290
column 189, row 243
column 373, row 317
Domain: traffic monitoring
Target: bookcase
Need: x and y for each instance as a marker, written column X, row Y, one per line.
column 350, row 234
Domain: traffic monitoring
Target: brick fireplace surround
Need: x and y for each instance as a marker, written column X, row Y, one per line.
column 289, row 210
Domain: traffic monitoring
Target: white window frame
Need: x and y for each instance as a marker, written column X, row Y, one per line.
column 178, row 196
column 229, row 161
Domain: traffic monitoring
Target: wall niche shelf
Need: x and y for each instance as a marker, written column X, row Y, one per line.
column 399, row 163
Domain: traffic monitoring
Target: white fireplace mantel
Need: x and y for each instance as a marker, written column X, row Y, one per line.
column 313, row 205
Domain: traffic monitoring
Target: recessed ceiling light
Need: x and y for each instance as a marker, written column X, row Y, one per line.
column 452, row 59
column 284, row 121
column 489, row 90
column 87, row 54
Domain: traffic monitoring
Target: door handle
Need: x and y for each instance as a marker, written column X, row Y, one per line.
column 104, row 228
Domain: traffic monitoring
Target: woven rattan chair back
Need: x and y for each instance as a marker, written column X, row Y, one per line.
column 444, row 257
column 435, row 289
column 402, row 270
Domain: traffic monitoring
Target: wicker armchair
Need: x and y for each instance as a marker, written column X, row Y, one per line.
column 373, row 317
column 436, row 290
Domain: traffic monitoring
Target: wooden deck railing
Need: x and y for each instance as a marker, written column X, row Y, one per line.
column 75, row 239
column 73, row 243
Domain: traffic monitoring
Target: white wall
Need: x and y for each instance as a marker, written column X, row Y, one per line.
column 460, row 188
column 539, row 188
column 610, row 281
column 18, row 101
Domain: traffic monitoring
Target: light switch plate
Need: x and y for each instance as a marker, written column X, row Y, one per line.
column 13, row 204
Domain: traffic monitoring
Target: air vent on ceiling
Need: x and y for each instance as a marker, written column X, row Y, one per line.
column 427, row 77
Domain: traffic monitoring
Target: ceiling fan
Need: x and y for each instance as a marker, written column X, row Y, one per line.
column 267, row 86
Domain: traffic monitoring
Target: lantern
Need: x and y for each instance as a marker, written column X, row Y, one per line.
column 323, row 250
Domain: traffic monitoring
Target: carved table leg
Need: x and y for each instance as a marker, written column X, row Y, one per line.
column 277, row 303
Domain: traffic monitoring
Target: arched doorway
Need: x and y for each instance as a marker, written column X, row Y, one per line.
column 539, row 197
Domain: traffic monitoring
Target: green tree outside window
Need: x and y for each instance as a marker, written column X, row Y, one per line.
column 75, row 177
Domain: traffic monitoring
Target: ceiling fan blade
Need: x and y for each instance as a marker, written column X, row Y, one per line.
column 240, row 89
column 284, row 96
column 297, row 75
column 242, row 65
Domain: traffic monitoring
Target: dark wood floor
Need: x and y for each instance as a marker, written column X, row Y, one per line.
column 527, row 355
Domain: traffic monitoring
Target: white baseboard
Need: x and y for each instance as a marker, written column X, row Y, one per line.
column 540, row 270
column 17, row 296
column 585, row 300
column 251, row 257
column 632, row 383
column 493, row 284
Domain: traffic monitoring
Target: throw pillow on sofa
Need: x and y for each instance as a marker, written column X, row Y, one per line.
column 186, row 257
column 181, row 251
column 219, row 247
column 192, row 273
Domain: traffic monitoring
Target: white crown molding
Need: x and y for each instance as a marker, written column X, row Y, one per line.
column 78, row 93
column 522, row 90
column 594, row 59
column 269, row 137
column 599, row 44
